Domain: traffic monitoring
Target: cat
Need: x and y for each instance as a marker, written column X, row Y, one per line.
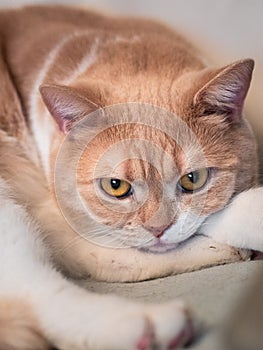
column 120, row 126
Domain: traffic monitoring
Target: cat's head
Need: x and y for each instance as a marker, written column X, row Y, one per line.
column 148, row 174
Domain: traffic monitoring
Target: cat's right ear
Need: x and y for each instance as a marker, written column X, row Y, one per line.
column 66, row 105
column 226, row 90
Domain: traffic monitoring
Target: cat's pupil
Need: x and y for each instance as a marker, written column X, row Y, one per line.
column 115, row 183
column 193, row 177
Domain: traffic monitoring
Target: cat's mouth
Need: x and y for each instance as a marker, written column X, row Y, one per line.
column 159, row 247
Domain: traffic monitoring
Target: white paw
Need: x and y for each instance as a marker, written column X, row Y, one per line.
column 75, row 319
column 132, row 326
column 240, row 224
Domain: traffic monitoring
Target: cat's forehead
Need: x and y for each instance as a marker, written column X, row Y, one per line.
column 141, row 151
column 140, row 141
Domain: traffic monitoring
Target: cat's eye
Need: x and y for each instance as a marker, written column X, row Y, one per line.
column 116, row 187
column 194, row 180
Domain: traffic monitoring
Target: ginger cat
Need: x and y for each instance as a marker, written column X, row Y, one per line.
column 117, row 124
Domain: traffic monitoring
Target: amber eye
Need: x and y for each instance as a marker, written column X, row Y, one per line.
column 116, row 188
column 194, row 181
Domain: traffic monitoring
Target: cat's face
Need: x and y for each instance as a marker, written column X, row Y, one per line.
column 148, row 178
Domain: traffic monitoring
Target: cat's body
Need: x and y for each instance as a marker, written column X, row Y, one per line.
column 84, row 62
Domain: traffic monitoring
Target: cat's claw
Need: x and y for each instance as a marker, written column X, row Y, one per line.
column 183, row 338
column 145, row 342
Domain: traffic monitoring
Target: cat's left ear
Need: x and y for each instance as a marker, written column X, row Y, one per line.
column 66, row 105
column 225, row 93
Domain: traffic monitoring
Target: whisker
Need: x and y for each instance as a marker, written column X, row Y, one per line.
column 72, row 242
column 69, row 244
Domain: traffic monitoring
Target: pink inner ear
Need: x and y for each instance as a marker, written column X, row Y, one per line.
column 65, row 105
column 226, row 92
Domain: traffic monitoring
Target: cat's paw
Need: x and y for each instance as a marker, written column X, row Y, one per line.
column 81, row 321
column 164, row 326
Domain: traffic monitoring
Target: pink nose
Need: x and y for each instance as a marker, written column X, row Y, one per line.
column 157, row 231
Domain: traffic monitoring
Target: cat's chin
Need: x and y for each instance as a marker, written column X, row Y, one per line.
column 159, row 248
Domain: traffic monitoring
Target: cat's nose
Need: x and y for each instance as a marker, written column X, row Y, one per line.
column 157, row 231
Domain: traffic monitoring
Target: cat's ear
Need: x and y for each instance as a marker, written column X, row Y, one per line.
column 66, row 105
column 225, row 93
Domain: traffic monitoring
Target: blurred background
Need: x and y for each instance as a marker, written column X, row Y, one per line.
column 224, row 30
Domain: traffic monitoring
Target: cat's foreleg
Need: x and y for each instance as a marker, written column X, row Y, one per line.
column 240, row 224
